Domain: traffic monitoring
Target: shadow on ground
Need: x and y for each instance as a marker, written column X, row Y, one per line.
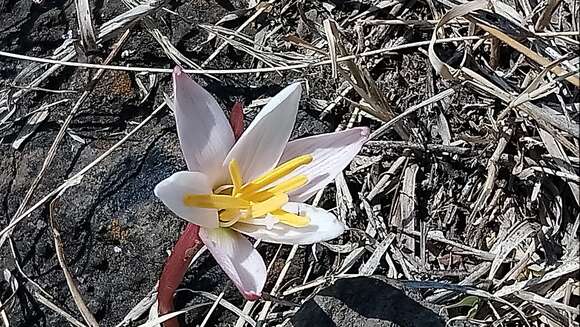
column 364, row 302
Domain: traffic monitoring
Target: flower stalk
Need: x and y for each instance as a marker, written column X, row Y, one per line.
column 174, row 270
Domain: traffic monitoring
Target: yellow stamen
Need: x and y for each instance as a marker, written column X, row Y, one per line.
column 261, row 208
column 277, row 173
column 290, row 219
column 258, row 202
column 285, row 187
column 289, row 185
column 236, row 176
column 214, row 201
column 229, row 214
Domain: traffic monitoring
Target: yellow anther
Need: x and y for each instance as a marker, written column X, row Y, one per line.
column 290, row 219
column 214, row 201
column 277, row 173
column 235, row 175
column 261, row 208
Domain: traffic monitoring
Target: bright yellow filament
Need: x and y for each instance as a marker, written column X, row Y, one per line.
column 236, row 176
column 258, row 201
column 276, row 174
column 274, row 203
column 289, row 185
column 286, row 186
column 215, row 201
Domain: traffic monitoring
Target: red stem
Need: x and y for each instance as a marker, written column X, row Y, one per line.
column 174, row 270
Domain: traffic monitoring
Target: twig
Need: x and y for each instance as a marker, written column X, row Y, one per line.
column 378, row 146
column 238, row 71
column 70, row 280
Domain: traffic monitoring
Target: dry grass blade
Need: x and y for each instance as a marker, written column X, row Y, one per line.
column 4, row 317
column 13, row 286
column 72, row 320
column 247, row 45
column 514, row 237
column 385, row 127
column 226, row 304
column 259, row 10
column 570, row 77
column 119, row 23
column 492, row 169
column 369, row 267
column 562, row 161
column 70, row 280
column 330, row 31
column 86, row 27
column 155, row 322
column 566, row 268
column 532, row 297
column 170, row 50
column 140, row 308
column 386, row 179
column 407, row 200
column 32, row 124
column 212, row 309
column 446, row 71
column 546, row 15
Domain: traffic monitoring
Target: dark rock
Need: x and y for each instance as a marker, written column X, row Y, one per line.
column 364, row 302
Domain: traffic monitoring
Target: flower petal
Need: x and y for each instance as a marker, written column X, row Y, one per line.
column 238, row 258
column 260, row 146
column 204, row 132
column 172, row 190
column 323, row 226
column 331, row 153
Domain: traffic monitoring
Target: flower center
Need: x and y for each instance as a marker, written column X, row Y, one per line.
column 258, row 202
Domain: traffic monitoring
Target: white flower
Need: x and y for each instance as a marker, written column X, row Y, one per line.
column 255, row 186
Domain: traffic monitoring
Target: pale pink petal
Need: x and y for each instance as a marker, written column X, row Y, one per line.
column 238, row 258
column 204, row 132
column 172, row 190
column 331, row 153
column 260, row 146
column 323, row 226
